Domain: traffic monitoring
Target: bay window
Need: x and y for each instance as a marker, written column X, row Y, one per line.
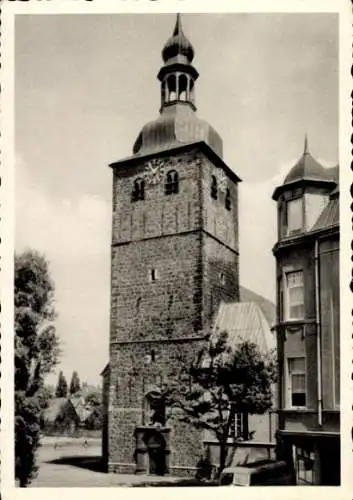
column 294, row 295
column 296, row 382
column 295, row 222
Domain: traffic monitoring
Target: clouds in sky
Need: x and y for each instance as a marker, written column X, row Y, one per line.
column 85, row 85
column 74, row 236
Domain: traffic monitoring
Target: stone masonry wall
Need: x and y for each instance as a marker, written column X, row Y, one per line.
column 219, row 243
column 166, row 307
column 157, row 214
column 166, row 277
column 133, row 375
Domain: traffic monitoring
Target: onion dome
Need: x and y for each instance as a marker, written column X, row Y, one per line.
column 177, row 125
column 178, row 44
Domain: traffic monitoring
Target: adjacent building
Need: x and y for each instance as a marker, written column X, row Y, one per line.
column 308, row 320
column 65, row 415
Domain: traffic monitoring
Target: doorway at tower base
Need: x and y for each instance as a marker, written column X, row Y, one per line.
column 152, row 450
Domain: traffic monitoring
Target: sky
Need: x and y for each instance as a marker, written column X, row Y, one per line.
column 84, row 87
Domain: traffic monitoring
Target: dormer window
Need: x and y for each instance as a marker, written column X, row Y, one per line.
column 138, row 192
column 214, row 188
column 295, row 222
column 172, row 183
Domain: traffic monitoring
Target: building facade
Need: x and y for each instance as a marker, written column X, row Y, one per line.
column 174, row 258
column 308, row 321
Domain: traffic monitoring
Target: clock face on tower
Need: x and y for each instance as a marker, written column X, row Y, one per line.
column 154, row 171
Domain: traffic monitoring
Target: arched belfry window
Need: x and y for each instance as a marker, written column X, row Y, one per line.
column 172, row 182
column 164, row 92
column 214, row 188
column 138, row 192
column 172, row 90
column 228, row 202
column 191, row 91
column 183, row 88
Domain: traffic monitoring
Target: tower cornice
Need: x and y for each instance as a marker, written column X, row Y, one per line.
column 173, row 150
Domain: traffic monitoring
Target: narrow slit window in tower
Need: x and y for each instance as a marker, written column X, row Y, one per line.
column 214, row 189
column 228, row 203
column 153, row 274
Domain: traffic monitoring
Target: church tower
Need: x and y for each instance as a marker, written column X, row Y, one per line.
column 174, row 257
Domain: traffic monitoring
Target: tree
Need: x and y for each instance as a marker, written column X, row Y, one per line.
column 95, row 418
column 75, row 384
column 61, row 387
column 46, row 394
column 36, row 353
column 93, row 398
column 221, row 383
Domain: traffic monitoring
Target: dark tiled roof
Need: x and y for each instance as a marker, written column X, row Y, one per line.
column 333, row 173
column 335, row 192
column 330, row 215
column 308, row 168
column 310, row 171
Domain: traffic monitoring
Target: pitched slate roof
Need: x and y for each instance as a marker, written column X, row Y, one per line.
column 54, row 409
column 267, row 307
column 308, row 168
column 245, row 321
column 330, row 215
column 81, row 410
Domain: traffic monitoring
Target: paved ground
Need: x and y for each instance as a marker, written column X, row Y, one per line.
column 71, row 464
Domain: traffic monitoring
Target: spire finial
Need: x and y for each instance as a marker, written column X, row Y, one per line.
column 178, row 27
column 178, row 44
column 306, row 147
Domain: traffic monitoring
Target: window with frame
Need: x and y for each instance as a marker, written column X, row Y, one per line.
column 295, row 219
column 236, row 427
column 172, row 183
column 214, row 188
column 228, row 202
column 296, row 382
column 138, row 192
column 294, row 295
column 304, row 464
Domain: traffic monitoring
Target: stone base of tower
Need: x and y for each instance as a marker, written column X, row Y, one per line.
column 175, row 471
column 137, row 449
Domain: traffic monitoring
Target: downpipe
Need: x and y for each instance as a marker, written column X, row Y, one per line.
column 318, row 334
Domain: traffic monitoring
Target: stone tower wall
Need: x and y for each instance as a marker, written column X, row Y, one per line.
column 189, row 241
